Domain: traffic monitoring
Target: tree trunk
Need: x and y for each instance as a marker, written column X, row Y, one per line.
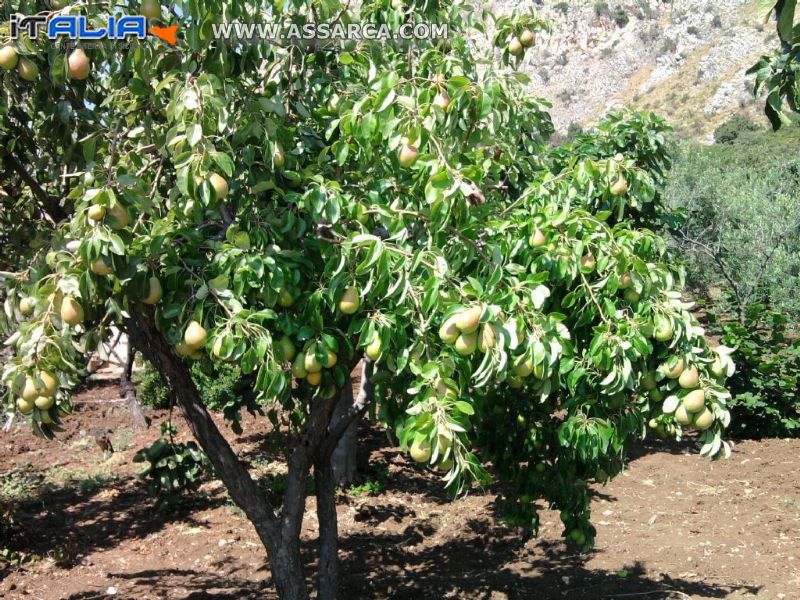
column 348, row 412
column 283, row 551
column 280, row 534
column 128, row 391
column 328, row 530
column 343, row 459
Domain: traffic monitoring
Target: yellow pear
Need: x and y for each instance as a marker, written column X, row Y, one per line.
column 27, row 306
column 487, row 338
column 96, row 212
column 44, row 402
column 374, row 348
column 78, row 65
column 25, row 406
column 312, row 363
column 314, row 378
column 620, row 186
column 694, row 401
column 285, row 298
column 537, row 239
column 8, row 58
column 150, row 9
column 350, row 301
column 286, row 349
column 298, row 367
column 155, row 293
column 468, row 319
column 448, row 332
column 420, row 451
column 515, row 47
column 195, row 336
column 101, row 267
column 120, row 218
column 71, row 311
column 219, row 184
column 527, row 38
column 689, row 378
column 408, row 155
column 27, row 69
column 330, row 359
column 703, row 420
column 466, row 343
column 674, row 369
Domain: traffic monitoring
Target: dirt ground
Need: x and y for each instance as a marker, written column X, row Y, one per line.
column 672, row 526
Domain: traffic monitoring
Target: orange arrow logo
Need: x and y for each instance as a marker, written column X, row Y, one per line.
column 168, row 34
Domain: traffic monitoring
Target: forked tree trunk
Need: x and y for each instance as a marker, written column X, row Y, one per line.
column 280, row 533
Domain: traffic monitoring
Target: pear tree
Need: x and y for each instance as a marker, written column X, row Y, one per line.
column 304, row 207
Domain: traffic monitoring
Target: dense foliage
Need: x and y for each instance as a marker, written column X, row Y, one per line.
column 291, row 210
column 766, row 385
column 740, row 230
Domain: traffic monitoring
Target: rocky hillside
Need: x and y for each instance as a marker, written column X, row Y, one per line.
column 685, row 59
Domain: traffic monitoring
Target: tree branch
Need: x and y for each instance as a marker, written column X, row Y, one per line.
column 51, row 208
column 241, row 486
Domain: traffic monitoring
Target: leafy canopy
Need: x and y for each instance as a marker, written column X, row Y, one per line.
column 420, row 178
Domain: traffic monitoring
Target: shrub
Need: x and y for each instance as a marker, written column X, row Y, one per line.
column 174, row 468
column 739, row 225
column 620, row 17
column 731, row 129
column 562, row 7
column 766, row 385
column 222, row 388
column 601, row 9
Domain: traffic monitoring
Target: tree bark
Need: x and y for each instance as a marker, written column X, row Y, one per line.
column 349, row 410
column 328, row 530
column 128, row 391
column 343, row 459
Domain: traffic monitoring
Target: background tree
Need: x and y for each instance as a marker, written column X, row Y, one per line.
column 294, row 208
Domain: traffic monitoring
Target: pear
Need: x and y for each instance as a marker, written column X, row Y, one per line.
column 150, row 9
column 219, row 184
column 27, row 69
column 408, row 155
column 527, row 38
column 620, row 186
column 8, row 58
column 195, row 336
column 78, row 65
column 350, row 301
column 468, row 319
column 155, row 293
column 466, row 343
column 689, row 378
column 373, row 349
column 71, row 311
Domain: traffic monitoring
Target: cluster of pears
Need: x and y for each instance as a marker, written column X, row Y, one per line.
column 516, row 45
column 26, row 68
column 194, row 340
column 691, row 410
column 117, row 217
column 38, row 392
column 461, row 331
column 307, row 366
column 421, row 451
column 523, row 367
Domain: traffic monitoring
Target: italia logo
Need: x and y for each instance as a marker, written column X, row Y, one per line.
column 77, row 27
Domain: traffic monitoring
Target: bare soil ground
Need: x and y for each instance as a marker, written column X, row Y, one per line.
column 672, row 526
